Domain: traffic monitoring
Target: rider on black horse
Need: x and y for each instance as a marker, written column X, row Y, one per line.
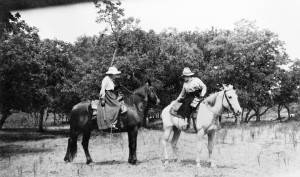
column 110, row 99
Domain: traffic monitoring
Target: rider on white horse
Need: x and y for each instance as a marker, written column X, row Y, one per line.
column 192, row 87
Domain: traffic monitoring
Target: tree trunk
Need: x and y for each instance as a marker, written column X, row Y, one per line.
column 242, row 116
column 257, row 115
column 278, row 112
column 247, row 116
column 36, row 118
column 114, row 56
column 288, row 110
column 54, row 118
column 3, row 119
column 47, row 115
column 41, row 120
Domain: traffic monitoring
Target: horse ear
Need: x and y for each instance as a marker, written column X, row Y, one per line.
column 224, row 86
column 148, row 82
column 233, row 87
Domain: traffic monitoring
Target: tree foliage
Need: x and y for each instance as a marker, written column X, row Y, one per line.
column 39, row 75
column 19, row 67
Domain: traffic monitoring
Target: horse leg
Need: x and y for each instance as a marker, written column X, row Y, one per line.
column 72, row 146
column 167, row 134
column 211, row 141
column 174, row 142
column 200, row 135
column 132, row 140
column 85, row 144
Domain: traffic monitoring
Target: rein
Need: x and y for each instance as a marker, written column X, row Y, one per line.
column 132, row 92
column 230, row 105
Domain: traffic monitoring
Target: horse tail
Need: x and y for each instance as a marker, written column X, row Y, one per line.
column 74, row 133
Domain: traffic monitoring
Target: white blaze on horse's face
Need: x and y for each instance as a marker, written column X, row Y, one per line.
column 232, row 99
column 153, row 95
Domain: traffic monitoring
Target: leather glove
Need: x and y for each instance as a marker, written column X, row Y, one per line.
column 179, row 100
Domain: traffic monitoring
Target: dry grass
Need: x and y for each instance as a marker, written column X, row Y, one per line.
column 265, row 149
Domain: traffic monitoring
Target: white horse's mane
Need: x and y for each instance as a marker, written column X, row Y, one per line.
column 211, row 99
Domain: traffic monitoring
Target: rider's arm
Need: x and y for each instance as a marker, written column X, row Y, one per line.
column 203, row 86
column 103, row 88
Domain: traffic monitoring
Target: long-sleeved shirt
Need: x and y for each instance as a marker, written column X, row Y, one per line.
column 191, row 86
column 107, row 84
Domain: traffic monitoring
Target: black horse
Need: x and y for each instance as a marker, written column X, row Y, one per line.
column 81, row 122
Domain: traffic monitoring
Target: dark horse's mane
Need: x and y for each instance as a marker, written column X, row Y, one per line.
column 137, row 96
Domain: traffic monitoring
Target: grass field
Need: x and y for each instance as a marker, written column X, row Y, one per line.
column 255, row 149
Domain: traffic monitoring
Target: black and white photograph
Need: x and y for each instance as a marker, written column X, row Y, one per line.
column 149, row 88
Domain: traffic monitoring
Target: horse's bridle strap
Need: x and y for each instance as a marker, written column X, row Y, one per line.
column 230, row 105
column 133, row 92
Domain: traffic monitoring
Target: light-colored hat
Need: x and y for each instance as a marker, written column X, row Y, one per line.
column 187, row 72
column 113, row 70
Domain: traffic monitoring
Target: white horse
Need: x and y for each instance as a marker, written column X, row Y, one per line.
column 209, row 110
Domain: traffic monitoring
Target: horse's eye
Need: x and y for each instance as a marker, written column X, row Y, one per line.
column 230, row 97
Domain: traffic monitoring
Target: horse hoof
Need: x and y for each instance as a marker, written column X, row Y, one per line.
column 166, row 162
column 198, row 165
column 89, row 161
column 132, row 161
column 67, row 160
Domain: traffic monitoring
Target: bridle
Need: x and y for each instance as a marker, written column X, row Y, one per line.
column 143, row 99
column 230, row 105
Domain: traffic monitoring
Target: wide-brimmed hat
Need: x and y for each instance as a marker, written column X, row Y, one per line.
column 187, row 72
column 113, row 70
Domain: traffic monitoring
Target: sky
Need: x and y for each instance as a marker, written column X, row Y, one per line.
column 69, row 22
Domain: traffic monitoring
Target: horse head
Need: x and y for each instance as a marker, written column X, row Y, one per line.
column 151, row 94
column 230, row 100
column 148, row 93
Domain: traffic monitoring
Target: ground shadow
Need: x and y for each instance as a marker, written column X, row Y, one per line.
column 188, row 162
column 203, row 163
column 109, row 162
column 10, row 150
column 30, row 134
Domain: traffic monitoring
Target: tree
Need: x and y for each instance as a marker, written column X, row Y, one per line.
column 249, row 58
column 113, row 15
column 286, row 92
column 19, row 45
column 55, row 69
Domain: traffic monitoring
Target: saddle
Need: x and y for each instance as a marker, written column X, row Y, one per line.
column 191, row 128
column 103, row 121
column 95, row 103
column 195, row 104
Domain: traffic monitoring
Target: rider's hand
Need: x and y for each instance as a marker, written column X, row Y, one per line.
column 102, row 103
column 179, row 100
